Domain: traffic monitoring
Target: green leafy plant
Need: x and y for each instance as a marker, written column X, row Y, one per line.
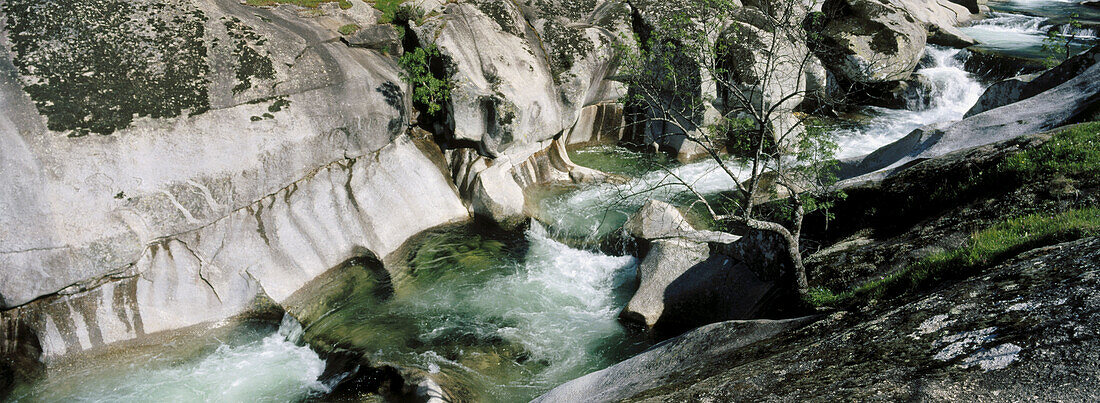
column 427, row 72
column 1059, row 45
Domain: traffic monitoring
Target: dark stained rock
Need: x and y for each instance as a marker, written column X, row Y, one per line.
column 996, row 66
column 870, row 42
column 1024, row 331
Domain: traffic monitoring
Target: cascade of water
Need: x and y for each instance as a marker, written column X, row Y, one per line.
column 952, row 93
column 1024, row 35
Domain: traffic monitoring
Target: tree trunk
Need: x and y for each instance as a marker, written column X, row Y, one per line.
column 798, row 277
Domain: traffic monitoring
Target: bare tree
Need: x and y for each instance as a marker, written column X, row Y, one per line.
column 726, row 80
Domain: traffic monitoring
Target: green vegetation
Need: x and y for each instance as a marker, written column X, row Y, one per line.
column 1059, row 46
column 389, row 9
column 344, row 4
column 428, row 72
column 985, row 248
column 399, row 12
column 1074, row 151
column 349, row 29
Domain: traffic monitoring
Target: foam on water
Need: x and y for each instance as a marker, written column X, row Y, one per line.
column 563, row 303
column 272, row 368
column 1019, row 27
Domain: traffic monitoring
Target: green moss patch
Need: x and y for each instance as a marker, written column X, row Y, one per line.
column 349, row 29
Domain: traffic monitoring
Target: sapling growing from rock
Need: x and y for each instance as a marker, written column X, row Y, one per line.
column 726, row 79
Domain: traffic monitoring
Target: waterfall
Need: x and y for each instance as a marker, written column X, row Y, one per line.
column 952, row 93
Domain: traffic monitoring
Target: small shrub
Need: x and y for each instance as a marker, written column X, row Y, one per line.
column 430, row 89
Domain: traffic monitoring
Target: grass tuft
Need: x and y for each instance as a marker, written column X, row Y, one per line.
column 349, row 29
column 1074, row 151
column 985, row 248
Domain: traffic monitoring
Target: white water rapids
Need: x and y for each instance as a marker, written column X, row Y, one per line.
column 1021, row 29
column 259, row 365
column 952, row 93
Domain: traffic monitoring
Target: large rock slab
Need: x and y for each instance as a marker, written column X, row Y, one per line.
column 941, row 19
column 297, row 163
column 866, row 41
column 1023, row 87
column 1001, row 93
column 1023, row 330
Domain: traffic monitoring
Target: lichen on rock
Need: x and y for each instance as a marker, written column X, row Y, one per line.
column 92, row 66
